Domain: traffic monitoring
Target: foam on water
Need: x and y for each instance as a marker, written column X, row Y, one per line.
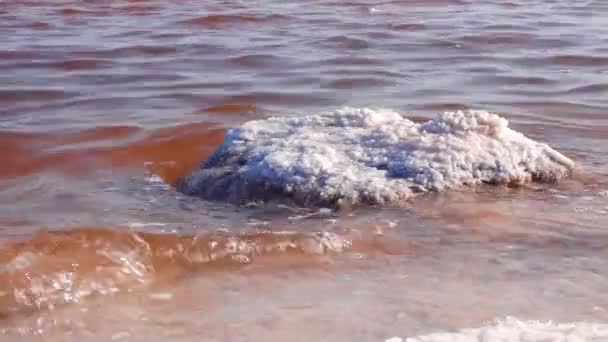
column 62, row 267
column 353, row 156
column 514, row 330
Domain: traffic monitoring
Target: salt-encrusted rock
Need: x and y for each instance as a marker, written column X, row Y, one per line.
column 354, row 156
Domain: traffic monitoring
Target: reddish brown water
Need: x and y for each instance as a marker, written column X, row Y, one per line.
column 105, row 104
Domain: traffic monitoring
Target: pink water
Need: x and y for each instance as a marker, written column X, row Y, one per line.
column 105, row 104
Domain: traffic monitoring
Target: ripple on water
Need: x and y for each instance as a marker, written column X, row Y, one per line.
column 102, row 103
column 61, row 267
column 220, row 20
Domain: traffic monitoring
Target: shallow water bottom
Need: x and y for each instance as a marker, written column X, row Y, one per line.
column 341, row 299
column 446, row 262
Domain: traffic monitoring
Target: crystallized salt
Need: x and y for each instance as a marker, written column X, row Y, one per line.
column 513, row 330
column 353, row 156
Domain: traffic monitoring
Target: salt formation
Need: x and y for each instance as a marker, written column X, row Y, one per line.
column 353, row 156
column 513, row 330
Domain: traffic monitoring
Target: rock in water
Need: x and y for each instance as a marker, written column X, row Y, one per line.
column 353, row 156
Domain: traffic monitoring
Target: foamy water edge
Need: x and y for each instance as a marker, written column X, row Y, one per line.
column 514, row 330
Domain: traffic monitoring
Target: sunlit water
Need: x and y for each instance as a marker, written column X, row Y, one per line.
column 104, row 105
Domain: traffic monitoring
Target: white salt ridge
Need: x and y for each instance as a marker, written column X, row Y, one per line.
column 353, row 156
column 513, row 330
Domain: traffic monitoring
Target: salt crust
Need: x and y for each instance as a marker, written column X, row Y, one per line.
column 514, row 330
column 360, row 155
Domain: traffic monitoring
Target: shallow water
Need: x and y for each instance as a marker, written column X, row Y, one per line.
column 104, row 105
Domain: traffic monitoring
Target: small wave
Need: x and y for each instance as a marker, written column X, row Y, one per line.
column 576, row 60
column 358, row 83
column 597, row 88
column 232, row 108
column 36, row 25
column 514, row 330
column 143, row 50
column 255, row 60
column 55, row 268
column 169, row 152
column 436, row 2
column 84, row 64
column 565, row 60
column 409, row 27
column 497, row 39
column 516, row 80
column 139, row 9
column 354, row 156
column 284, row 97
column 215, row 20
column 72, row 64
column 12, row 96
column 442, row 106
column 16, row 55
column 344, row 42
column 88, row 11
column 354, row 60
column 73, row 11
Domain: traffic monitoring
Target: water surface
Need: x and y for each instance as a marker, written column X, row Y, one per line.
column 105, row 104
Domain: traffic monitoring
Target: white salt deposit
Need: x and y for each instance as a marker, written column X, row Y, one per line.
column 513, row 330
column 353, row 155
